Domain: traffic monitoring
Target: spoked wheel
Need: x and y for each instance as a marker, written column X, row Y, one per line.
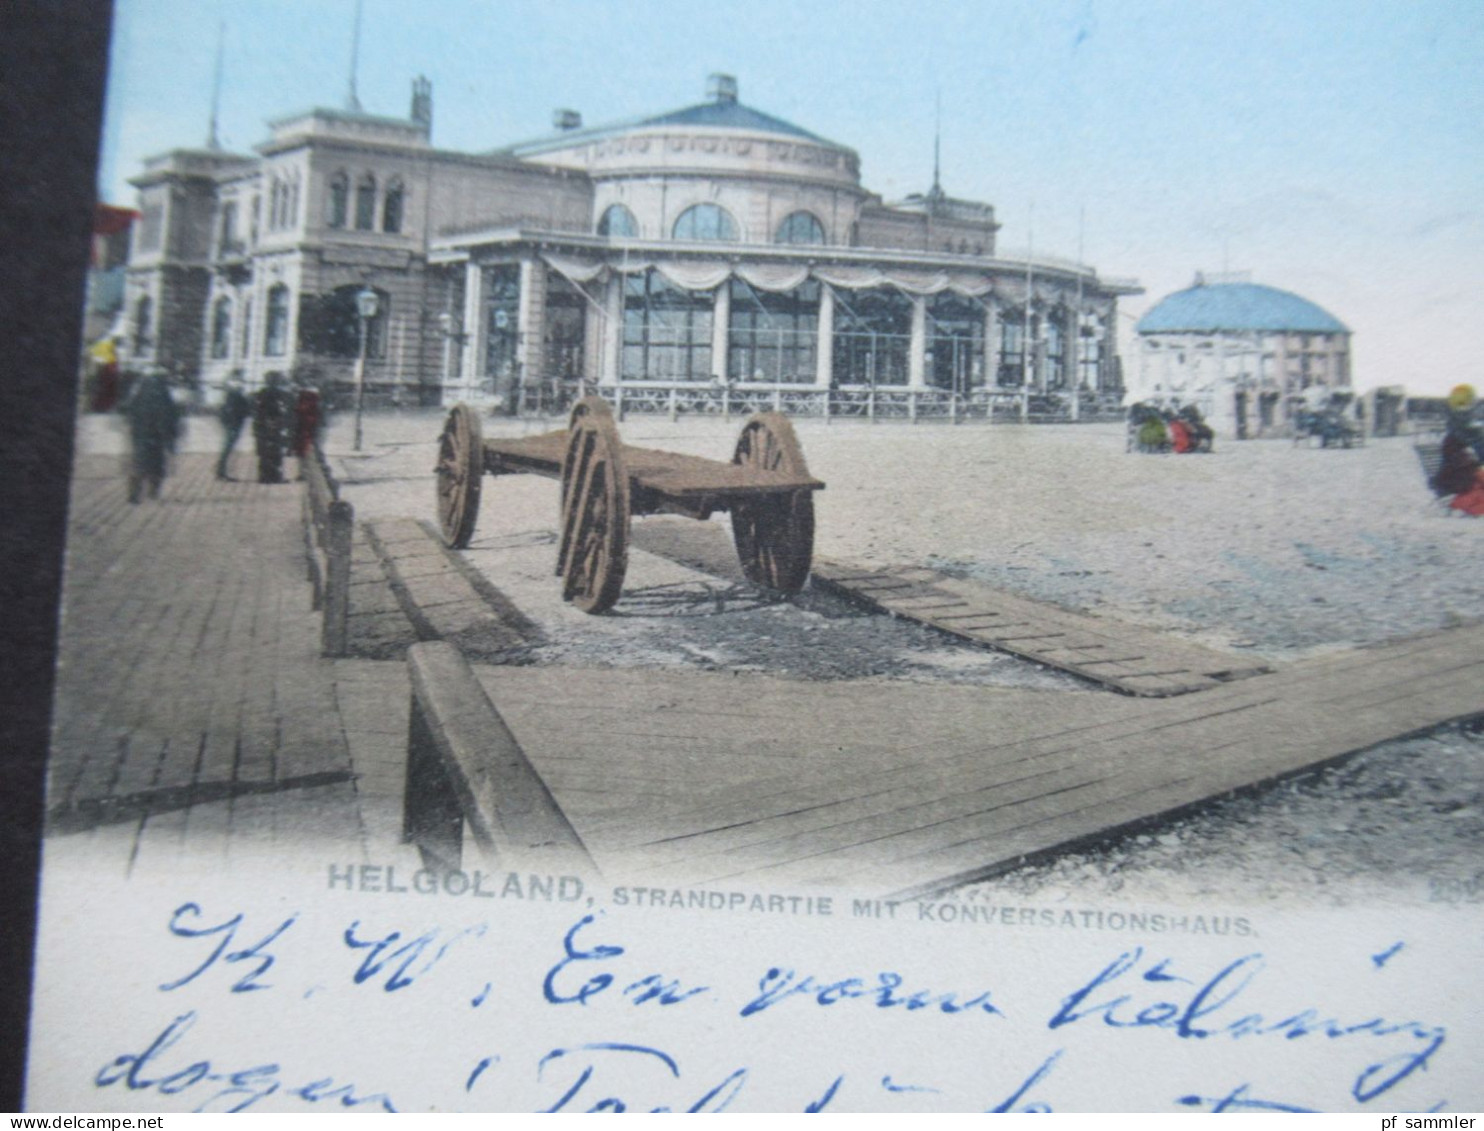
column 460, row 468
column 774, row 533
column 595, row 510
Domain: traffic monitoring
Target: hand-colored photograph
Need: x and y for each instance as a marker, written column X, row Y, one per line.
column 784, row 501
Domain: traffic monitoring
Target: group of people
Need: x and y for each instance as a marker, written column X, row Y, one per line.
column 1156, row 428
column 1328, row 414
column 1461, row 473
column 284, row 422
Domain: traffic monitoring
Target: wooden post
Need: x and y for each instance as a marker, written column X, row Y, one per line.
column 482, row 773
column 431, row 816
column 337, row 580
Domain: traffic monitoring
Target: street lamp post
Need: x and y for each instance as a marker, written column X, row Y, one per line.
column 367, row 304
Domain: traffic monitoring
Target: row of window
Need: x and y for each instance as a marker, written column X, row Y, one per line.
column 329, row 325
column 283, row 201
column 706, row 223
column 364, row 215
column 667, row 335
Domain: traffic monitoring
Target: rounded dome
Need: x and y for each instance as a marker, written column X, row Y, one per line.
column 1216, row 307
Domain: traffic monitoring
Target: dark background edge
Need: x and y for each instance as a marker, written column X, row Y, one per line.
column 53, row 68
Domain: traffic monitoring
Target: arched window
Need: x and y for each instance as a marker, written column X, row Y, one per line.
column 278, row 205
column 339, row 211
column 221, row 328
column 276, row 331
column 228, row 240
column 800, row 227
column 366, row 203
column 618, row 221
column 330, row 324
column 247, row 327
column 291, row 201
column 391, row 208
column 144, row 311
column 706, row 222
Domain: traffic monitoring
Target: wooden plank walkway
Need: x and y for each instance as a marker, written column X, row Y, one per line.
column 191, row 700
column 1128, row 659
column 892, row 789
column 443, row 596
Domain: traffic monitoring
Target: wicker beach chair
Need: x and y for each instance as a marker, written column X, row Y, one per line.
column 1429, row 449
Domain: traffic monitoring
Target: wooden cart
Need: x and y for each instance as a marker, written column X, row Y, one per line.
column 766, row 487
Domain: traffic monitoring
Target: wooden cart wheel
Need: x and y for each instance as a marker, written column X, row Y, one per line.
column 774, row 533
column 459, row 471
column 595, row 510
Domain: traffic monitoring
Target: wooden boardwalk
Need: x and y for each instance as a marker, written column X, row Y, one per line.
column 444, row 597
column 890, row 788
column 194, row 713
column 193, row 707
column 1125, row 658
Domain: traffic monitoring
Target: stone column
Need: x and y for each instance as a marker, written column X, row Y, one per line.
column 530, row 342
column 1071, row 356
column 917, row 348
column 992, row 353
column 471, row 361
column 721, row 317
column 1106, row 367
column 609, row 363
column 824, row 353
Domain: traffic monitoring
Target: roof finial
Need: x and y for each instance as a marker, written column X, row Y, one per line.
column 352, row 102
column 936, row 192
column 213, row 140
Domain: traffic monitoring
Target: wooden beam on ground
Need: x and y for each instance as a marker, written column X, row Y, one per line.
column 1132, row 660
column 464, row 765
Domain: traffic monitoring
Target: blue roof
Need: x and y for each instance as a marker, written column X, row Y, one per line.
column 1211, row 308
column 730, row 114
column 719, row 113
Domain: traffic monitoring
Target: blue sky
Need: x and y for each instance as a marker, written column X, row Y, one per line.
column 1335, row 149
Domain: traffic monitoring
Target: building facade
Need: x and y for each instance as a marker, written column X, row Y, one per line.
column 715, row 251
column 1246, row 355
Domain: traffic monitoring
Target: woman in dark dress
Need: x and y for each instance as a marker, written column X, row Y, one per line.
column 270, row 428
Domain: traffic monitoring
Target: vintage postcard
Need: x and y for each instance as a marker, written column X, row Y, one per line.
column 774, row 557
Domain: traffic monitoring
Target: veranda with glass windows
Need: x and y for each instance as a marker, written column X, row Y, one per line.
column 739, row 334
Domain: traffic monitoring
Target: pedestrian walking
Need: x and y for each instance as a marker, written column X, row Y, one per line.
column 233, row 414
column 270, row 427
column 307, row 420
column 154, row 426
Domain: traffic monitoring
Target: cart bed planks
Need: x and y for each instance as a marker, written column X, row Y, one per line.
column 766, row 487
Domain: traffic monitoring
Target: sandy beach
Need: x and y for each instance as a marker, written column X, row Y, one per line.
column 1261, row 548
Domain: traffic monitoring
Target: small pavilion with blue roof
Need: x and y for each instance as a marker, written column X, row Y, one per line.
column 1247, row 355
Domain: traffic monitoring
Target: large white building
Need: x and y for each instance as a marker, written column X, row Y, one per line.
column 660, row 260
column 1244, row 354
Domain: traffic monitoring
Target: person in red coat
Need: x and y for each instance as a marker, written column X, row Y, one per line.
column 307, row 420
column 1461, row 474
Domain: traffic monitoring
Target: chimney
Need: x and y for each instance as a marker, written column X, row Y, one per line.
column 721, row 88
column 566, row 120
column 422, row 102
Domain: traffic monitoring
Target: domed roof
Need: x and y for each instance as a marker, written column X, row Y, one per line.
column 731, row 115
column 1212, row 308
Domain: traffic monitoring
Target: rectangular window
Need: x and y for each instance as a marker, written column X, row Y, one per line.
column 773, row 337
column 1012, row 349
column 666, row 331
column 954, row 358
column 873, row 337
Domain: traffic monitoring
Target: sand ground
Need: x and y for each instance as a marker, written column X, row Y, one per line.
column 1262, row 547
